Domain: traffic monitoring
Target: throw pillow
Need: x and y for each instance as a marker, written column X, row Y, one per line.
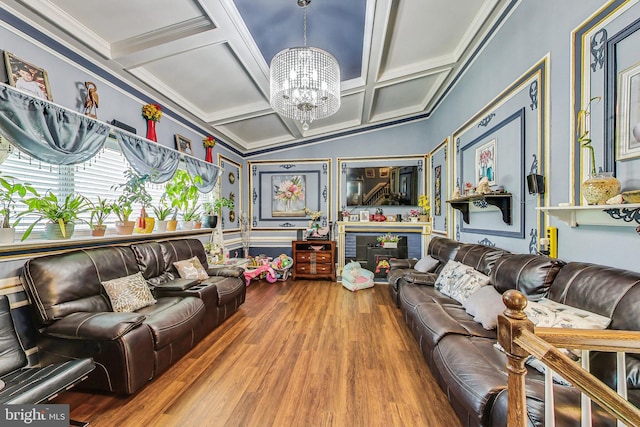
column 426, row 264
column 467, row 284
column 448, row 275
column 128, row 294
column 485, row 305
column 550, row 314
column 191, row 269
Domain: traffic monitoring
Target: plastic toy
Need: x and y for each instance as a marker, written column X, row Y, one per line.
column 263, row 267
column 282, row 265
column 354, row 277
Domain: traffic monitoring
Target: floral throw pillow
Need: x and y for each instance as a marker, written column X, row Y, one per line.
column 467, row 284
column 191, row 269
column 448, row 276
column 128, row 294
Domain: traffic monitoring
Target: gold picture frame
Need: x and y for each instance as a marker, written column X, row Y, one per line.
column 183, row 145
column 27, row 77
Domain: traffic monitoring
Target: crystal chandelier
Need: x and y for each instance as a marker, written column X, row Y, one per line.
column 305, row 81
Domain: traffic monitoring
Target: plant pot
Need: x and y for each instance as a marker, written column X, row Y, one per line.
column 389, row 245
column 345, row 218
column 52, row 231
column 186, row 225
column 210, row 221
column 7, row 235
column 161, row 226
column 98, row 230
column 125, row 227
column 149, row 223
column 413, row 219
column 172, row 224
column 599, row 188
column 197, row 225
column 424, row 218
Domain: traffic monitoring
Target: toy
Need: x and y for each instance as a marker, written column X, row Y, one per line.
column 282, row 265
column 263, row 267
column 354, row 277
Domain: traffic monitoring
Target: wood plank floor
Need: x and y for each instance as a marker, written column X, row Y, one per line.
column 297, row 353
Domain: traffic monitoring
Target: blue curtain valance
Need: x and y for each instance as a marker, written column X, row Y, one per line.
column 207, row 171
column 48, row 132
column 148, row 157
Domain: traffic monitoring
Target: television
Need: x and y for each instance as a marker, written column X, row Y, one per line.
column 383, row 186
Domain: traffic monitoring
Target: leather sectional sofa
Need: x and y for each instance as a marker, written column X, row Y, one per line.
column 76, row 320
column 461, row 353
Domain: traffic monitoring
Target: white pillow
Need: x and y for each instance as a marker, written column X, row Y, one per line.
column 448, row 275
column 467, row 284
column 426, row 265
column 485, row 305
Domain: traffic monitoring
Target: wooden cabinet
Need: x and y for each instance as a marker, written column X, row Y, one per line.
column 313, row 259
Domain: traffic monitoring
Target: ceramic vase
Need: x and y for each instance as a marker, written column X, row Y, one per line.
column 209, row 154
column 52, row 231
column 7, row 235
column 125, row 227
column 151, row 130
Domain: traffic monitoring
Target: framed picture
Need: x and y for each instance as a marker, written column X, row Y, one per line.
column 628, row 108
column 183, row 144
column 364, row 216
column 27, row 77
column 438, row 190
column 289, row 195
column 384, row 172
column 391, row 218
column 370, row 172
column 354, row 218
column 486, row 162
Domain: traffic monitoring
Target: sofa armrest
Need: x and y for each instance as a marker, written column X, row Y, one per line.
column 102, row 326
column 419, row 278
column 176, row 285
column 402, row 263
column 226, row 271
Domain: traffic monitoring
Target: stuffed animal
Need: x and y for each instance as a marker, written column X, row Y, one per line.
column 483, row 186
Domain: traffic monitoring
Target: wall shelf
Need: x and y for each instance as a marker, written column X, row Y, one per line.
column 625, row 215
column 501, row 201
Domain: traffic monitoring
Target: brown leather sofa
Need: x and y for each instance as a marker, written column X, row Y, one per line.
column 461, row 353
column 76, row 319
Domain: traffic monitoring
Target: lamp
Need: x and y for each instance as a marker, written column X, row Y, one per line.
column 305, row 81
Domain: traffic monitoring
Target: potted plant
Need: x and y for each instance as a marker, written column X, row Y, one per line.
column 211, row 210
column 62, row 214
column 10, row 193
column 162, row 212
column 189, row 217
column 388, row 240
column 100, row 211
column 133, row 191
column 414, row 215
column 181, row 193
column 599, row 186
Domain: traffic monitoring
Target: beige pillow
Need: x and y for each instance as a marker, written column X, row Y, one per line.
column 128, row 293
column 191, row 269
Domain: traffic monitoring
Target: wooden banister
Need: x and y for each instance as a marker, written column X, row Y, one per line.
column 519, row 338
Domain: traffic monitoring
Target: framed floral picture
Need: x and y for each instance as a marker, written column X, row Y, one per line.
column 288, row 195
column 27, row 77
column 486, row 162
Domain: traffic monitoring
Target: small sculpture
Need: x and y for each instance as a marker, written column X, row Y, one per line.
column 91, row 102
column 456, row 193
column 483, row 186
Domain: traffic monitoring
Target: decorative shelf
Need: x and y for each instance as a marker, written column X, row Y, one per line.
column 502, row 201
column 625, row 215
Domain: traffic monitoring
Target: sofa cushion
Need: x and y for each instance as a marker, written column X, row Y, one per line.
column 467, row 284
column 426, row 264
column 12, row 356
column 530, row 274
column 448, row 275
column 228, row 288
column 191, row 269
column 480, row 257
column 129, row 293
column 172, row 319
column 485, row 305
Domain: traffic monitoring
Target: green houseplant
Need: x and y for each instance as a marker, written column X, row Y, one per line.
column 388, row 240
column 11, row 192
column 62, row 214
column 162, row 212
column 134, row 190
column 211, row 210
column 599, row 186
column 100, row 211
column 181, row 193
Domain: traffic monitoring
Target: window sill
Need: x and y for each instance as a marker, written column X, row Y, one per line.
column 30, row 248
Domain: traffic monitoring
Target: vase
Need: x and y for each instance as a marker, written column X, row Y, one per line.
column 390, row 245
column 161, row 226
column 599, row 188
column 7, row 235
column 125, row 227
column 424, row 218
column 413, row 219
column 151, row 130
column 172, row 224
column 52, row 231
column 208, row 157
column 210, row 221
column 98, row 230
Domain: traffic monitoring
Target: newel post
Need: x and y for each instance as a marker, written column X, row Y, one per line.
column 510, row 324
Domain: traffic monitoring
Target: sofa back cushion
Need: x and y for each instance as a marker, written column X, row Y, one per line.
column 66, row 283
column 11, row 355
column 480, row 257
column 152, row 263
column 608, row 291
column 443, row 250
column 530, row 274
column 177, row 250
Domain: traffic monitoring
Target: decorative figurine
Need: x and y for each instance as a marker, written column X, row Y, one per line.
column 483, row 186
column 456, row 193
column 91, row 102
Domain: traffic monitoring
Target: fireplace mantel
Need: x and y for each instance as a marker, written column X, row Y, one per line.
column 344, row 227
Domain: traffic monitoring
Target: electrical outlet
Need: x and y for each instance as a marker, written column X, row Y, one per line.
column 552, row 238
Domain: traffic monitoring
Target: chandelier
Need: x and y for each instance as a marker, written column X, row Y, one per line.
column 305, row 81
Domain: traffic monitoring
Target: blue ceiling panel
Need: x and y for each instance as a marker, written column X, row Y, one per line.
column 336, row 26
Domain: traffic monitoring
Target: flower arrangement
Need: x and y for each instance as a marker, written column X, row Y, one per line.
column 423, row 203
column 388, row 238
column 345, row 213
column 313, row 215
column 289, row 190
column 152, row 112
column 208, row 142
column 414, row 213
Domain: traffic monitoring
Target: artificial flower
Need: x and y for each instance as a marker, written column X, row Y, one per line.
column 152, row 112
column 208, row 141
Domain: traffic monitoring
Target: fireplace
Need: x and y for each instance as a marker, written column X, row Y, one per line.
column 374, row 257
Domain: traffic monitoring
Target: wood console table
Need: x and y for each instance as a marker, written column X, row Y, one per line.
column 344, row 227
column 313, row 263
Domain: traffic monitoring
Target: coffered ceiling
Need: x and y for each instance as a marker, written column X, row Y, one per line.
column 208, row 60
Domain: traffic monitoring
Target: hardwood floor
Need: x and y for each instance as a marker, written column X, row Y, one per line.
column 297, row 353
